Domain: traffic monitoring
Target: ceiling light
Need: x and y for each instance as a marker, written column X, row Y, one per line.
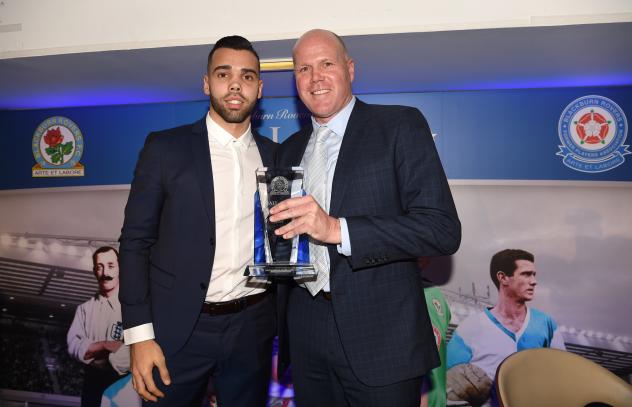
column 5, row 239
column 22, row 242
column 55, row 247
column 276, row 64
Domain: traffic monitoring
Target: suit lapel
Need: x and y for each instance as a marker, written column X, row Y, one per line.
column 298, row 149
column 347, row 157
column 202, row 161
column 265, row 151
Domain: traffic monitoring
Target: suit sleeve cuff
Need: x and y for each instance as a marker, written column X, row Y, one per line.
column 138, row 333
column 344, row 247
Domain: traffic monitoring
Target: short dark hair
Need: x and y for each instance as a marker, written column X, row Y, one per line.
column 103, row 249
column 235, row 42
column 505, row 261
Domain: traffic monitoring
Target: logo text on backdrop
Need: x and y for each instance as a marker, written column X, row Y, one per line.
column 592, row 130
column 57, row 148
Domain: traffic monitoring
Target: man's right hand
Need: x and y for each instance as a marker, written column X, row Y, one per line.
column 144, row 356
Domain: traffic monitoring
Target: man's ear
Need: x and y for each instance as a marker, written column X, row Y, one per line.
column 502, row 277
column 205, row 85
column 351, row 69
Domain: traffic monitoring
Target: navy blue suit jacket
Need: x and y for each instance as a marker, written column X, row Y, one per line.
column 391, row 188
column 168, row 236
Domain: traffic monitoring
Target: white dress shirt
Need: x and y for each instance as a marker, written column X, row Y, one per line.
column 234, row 162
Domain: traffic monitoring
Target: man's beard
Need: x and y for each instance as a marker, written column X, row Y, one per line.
column 232, row 116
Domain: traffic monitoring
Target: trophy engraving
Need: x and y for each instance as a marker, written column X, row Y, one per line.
column 275, row 256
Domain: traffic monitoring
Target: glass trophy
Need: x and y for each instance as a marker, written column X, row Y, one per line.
column 275, row 256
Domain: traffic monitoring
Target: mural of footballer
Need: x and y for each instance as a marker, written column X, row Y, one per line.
column 486, row 338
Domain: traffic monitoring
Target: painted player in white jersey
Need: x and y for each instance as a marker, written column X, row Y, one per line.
column 95, row 337
column 486, row 338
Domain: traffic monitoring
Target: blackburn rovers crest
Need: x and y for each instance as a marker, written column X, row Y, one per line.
column 593, row 130
column 57, row 148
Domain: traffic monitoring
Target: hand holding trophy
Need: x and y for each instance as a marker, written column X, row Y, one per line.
column 275, row 256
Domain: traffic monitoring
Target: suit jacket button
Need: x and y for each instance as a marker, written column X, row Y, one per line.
column 203, row 286
column 212, row 241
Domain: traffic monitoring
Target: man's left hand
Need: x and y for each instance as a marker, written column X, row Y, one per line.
column 307, row 217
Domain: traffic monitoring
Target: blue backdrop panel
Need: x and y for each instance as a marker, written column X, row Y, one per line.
column 113, row 136
column 507, row 134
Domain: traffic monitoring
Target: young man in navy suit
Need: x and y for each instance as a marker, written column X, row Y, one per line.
column 188, row 311
column 359, row 334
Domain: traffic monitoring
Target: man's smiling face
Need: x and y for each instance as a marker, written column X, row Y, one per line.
column 323, row 73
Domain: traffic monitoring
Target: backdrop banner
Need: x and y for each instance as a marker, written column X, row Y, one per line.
column 544, row 170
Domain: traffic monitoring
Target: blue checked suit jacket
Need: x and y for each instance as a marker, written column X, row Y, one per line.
column 391, row 188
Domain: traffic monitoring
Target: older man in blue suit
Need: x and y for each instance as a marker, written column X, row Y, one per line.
column 359, row 334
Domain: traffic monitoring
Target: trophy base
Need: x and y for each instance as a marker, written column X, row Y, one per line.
column 280, row 269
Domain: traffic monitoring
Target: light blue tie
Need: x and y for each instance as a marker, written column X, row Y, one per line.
column 316, row 186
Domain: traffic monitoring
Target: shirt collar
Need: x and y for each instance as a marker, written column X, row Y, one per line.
column 223, row 137
column 338, row 123
column 114, row 296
